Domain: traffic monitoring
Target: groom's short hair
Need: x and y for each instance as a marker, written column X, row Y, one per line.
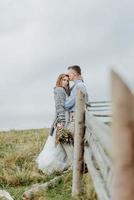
column 75, row 68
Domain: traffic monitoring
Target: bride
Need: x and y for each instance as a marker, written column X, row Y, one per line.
column 53, row 157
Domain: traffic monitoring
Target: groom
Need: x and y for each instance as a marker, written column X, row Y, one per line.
column 74, row 73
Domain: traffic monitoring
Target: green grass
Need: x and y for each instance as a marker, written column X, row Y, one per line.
column 18, row 170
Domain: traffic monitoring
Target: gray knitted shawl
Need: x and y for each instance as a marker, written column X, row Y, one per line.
column 60, row 97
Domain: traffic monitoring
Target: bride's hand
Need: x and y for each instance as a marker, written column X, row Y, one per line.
column 60, row 125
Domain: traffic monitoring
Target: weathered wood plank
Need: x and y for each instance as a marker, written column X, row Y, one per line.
column 123, row 140
column 101, row 112
column 103, row 119
column 78, row 164
column 102, row 132
column 99, row 184
column 100, row 102
column 100, row 109
column 102, row 159
column 99, row 106
column 29, row 194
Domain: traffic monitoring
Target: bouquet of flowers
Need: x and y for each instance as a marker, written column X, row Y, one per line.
column 64, row 136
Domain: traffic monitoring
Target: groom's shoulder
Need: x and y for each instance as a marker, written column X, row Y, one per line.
column 81, row 84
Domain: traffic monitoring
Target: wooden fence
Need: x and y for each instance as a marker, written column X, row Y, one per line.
column 104, row 140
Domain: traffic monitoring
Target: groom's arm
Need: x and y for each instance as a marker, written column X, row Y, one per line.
column 70, row 102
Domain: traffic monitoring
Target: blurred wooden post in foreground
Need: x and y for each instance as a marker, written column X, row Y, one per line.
column 123, row 140
column 78, row 164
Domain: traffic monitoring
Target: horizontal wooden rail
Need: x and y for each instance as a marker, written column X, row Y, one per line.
column 102, row 131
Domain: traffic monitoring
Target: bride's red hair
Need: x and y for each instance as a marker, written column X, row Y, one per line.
column 59, row 80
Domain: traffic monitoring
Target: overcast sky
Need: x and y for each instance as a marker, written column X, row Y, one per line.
column 40, row 38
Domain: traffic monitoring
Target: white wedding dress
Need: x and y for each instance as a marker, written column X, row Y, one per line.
column 52, row 158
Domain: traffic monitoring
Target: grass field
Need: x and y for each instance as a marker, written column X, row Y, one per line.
column 18, row 170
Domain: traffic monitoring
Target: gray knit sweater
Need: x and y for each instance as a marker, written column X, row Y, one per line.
column 60, row 97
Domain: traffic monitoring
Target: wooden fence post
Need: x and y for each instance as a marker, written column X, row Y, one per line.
column 78, row 164
column 123, row 140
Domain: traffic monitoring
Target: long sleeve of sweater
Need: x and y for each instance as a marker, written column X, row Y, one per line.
column 60, row 97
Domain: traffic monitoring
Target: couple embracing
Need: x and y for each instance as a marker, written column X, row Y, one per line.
column 59, row 157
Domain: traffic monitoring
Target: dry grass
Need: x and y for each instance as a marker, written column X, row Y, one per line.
column 18, row 170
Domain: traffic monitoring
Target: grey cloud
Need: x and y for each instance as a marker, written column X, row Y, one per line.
column 39, row 39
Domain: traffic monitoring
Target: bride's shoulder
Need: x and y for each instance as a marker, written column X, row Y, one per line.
column 59, row 89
